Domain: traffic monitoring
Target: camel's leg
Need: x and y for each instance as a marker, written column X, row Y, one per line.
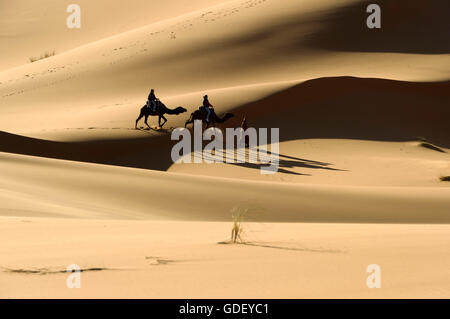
column 140, row 116
column 165, row 120
column 208, row 124
column 146, row 118
column 190, row 120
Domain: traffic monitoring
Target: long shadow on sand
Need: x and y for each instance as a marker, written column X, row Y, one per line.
column 273, row 246
column 285, row 163
column 46, row 271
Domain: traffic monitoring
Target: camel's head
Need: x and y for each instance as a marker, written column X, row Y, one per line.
column 180, row 110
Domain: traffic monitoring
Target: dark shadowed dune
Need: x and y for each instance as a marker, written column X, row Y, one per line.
column 412, row 26
column 148, row 153
column 356, row 108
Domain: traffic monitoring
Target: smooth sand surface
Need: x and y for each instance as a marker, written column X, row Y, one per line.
column 147, row 259
column 364, row 140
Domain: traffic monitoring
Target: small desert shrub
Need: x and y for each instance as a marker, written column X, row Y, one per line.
column 45, row 55
column 236, row 230
column 238, row 214
column 445, row 178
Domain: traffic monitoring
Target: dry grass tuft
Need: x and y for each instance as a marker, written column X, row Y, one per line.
column 238, row 214
column 424, row 143
column 45, row 55
column 431, row 147
column 236, row 230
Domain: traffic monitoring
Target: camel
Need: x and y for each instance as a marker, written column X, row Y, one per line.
column 161, row 109
column 213, row 118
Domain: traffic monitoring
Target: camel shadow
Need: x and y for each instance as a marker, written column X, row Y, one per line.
column 155, row 129
column 143, row 129
column 258, row 159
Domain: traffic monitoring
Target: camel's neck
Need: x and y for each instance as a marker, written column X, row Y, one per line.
column 169, row 111
column 222, row 119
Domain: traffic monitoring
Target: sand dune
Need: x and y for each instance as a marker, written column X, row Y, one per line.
column 231, row 33
column 366, row 109
column 37, row 29
column 369, row 109
column 159, row 195
column 363, row 118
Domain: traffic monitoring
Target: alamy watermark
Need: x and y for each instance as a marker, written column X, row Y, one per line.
column 74, row 19
column 74, row 279
column 256, row 141
column 374, row 19
column 374, row 279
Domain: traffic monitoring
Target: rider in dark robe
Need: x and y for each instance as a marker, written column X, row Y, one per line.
column 152, row 100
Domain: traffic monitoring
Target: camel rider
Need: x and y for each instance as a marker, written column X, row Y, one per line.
column 152, row 100
column 208, row 107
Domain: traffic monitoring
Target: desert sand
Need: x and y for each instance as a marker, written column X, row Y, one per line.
column 364, row 139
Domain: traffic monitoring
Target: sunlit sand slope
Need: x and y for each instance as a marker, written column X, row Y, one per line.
column 44, row 187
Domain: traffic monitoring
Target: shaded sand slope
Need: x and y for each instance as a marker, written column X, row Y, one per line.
column 354, row 108
column 49, row 187
column 414, row 26
column 152, row 152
